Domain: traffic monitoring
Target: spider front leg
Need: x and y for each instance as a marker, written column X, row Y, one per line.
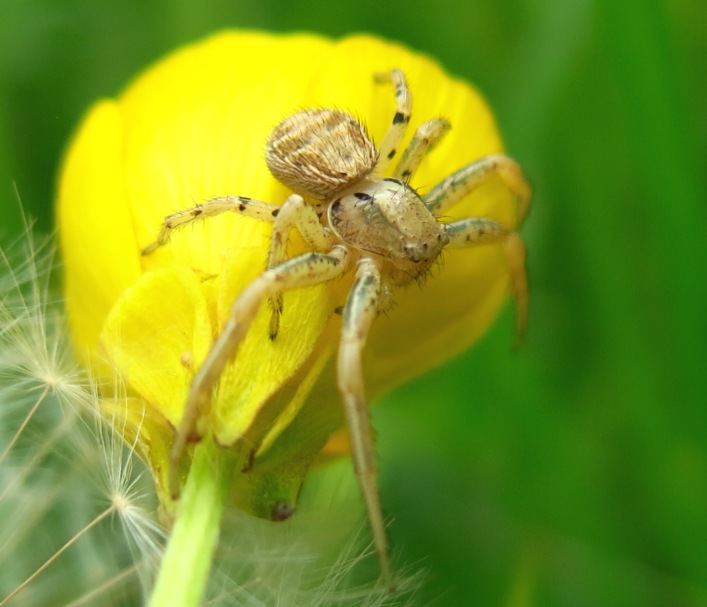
column 401, row 118
column 305, row 270
column 423, row 142
column 294, row 213
column 256, row 209
column 361, row 308
column 455, row 187
column 477, row 231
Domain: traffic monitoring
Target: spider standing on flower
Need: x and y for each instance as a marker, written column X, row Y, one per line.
column 348, row 213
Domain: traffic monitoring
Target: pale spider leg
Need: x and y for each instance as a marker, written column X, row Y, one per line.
column 401, row 119
column 423, row 142
column 294, row 213
column 460, row 183
column 255, row 209
column 361, row 308
column 305, row 270
column 478, row 231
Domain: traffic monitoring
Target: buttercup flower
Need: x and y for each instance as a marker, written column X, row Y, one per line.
column 194, row 127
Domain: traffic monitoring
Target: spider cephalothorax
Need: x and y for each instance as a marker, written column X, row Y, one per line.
column 399, row 229
column 349, row 214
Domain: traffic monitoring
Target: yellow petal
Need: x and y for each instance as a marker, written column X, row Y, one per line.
column 95, row 227
column 157, row 334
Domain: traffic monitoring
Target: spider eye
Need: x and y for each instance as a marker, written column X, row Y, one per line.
column 414, row 252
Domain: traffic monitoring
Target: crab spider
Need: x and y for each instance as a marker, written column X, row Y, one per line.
column 326, row 158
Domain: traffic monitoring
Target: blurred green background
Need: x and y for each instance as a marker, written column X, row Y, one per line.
column 573, row 472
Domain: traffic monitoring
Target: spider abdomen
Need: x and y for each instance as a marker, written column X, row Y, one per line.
column 320, row 153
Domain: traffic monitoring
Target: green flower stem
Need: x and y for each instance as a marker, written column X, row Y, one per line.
column 187, row 562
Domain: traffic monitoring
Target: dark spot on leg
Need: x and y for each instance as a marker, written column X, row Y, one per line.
column 398, row 118
column 368, row 281
column 391, row 154
column 275, row 212
column 407, row 173
column 241, row 207
column 244, row 199
column 196, row 212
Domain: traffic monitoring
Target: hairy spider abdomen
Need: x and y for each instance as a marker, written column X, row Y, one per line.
column 320, row 153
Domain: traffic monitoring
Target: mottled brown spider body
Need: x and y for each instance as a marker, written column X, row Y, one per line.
column 352, row 215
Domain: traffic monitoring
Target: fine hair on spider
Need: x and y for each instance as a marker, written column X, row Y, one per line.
column 329, row 162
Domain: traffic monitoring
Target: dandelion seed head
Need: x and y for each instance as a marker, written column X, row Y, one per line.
column 56, row 525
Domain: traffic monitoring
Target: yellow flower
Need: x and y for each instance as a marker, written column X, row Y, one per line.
column 192, row 128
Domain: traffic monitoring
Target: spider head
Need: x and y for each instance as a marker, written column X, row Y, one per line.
column 389, row 219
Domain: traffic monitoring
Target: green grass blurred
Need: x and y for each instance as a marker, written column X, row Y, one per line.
column 573, row 472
